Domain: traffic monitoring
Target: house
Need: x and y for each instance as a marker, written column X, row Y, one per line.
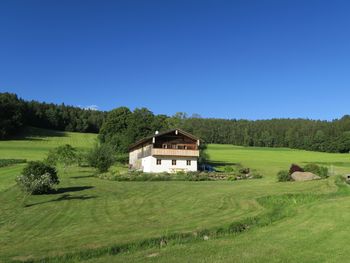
column 169, row 151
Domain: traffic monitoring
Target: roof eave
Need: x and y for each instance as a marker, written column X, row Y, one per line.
column 161, row 134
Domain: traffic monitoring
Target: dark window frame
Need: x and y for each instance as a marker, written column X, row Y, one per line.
column 173, row 162
column 159, row 162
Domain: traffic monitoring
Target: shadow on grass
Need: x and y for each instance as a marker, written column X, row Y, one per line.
column 36, row 134
column 65, row 197
column 218, row 163
column 343, row 164
column 82, row 176
column 63, row 190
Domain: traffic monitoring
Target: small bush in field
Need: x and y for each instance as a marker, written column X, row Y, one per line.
column 323, row 172
column 316, row 169
column 38, row 178
column 255, row 175
column 65, row 154
column 81, row 158
column 101, row 157
column 229, row 169
column 312, row 168
column 284, row 176
column 295, row 168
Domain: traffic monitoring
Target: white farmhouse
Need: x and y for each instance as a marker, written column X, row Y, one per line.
column 170, row 151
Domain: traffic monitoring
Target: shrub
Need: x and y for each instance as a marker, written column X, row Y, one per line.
column 318, row 170
column 179, row 176
column 101, row 157
column 312, row 168
column 284, row 176
column 255, row 175
column 37, row 178
column 122, row 158
column 65, row 154
column 229, row 169
column 39, row 168
column 81, row 158
column 295, row 168
column 323, row 172
column 136, row 176
column 197, row 176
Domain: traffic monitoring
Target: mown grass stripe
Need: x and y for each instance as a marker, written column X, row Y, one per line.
column 278, row 207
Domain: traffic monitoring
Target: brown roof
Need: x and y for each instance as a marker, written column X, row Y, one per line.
column 160, row 134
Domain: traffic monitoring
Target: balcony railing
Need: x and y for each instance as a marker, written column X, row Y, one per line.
column 181, row 146
column 175, row 152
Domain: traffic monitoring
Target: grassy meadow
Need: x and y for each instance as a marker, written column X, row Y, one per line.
column 92, row 220
column 270, row 160
column 35, row 143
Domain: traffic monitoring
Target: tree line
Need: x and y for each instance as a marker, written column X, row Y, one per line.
column 16, row 113
column 315, row 135
column 121, row 127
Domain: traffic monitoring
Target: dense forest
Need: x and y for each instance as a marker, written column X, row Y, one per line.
column 16, row 113
column 120, row 127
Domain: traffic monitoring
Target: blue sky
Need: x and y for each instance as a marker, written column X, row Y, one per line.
column 228, row 59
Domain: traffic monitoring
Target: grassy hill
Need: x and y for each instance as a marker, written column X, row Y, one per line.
column 89, row 219
column 34, row 143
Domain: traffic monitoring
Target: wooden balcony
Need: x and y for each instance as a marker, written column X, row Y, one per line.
column 175, row 152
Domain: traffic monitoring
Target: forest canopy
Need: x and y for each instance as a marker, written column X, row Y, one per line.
column 120, row 127
column 16, row 113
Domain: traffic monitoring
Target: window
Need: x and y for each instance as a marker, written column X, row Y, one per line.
column 188, row 162
column 159, row 161
column 173, row 162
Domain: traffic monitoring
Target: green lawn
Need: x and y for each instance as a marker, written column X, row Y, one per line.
column 91, row 214
column 35, row 143
column 7, row 175
column 318, row 233
column 270, row 160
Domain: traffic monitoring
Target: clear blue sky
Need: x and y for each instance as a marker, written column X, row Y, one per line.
column 230, row 59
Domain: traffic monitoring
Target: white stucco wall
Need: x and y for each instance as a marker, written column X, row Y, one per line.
column 136, row 155
column 149, row 164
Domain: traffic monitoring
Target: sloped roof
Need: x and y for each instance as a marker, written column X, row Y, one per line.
column 161, row 134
